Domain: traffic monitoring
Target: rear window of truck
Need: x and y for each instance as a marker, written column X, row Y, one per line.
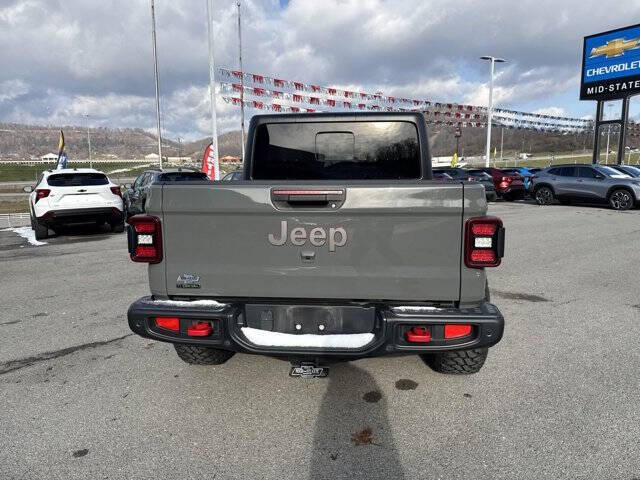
column 77, row 179
column 182, row 176
column 336, row 151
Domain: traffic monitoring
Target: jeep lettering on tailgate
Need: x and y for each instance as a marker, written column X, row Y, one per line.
column 317, row 236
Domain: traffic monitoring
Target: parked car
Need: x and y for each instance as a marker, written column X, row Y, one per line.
column 509, row 186
column 235, row 175
column 632, row 171
column 74, row 195
column 523, row 171
column 586, row 183
column 472, row 176
column 441, row 176
column 135, row 196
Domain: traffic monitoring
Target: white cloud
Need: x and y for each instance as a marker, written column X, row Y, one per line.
column 64, row 58
column 555, row 111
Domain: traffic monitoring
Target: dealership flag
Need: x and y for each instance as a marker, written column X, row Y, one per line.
column 62, row 155
column 209, row 162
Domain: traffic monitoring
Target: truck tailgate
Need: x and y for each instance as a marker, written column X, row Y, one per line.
column 400, row 242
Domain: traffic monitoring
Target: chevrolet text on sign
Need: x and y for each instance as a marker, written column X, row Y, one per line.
column 611, row 64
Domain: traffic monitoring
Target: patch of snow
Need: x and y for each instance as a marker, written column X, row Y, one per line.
column 266, row 338
column 187, row 303
column 412, row 309
column 26, row 233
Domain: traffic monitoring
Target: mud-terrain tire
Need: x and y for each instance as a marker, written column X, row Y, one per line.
column 196, row 355
column 457, row 362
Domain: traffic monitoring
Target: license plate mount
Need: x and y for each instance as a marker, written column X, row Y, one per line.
column 308, row 370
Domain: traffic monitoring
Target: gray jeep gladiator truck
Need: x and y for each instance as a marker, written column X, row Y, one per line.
column 336, row 245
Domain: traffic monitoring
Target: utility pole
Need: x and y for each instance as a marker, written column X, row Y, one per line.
column 155, row 80
column 501, row 141
column 492, row 62
column 458, row 134
column 241, row 78
column 212, row 93
column 89, row 140
column 179, row 149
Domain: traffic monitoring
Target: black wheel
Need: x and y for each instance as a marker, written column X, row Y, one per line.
column 621, row 199
column 33, row 224
column 457, row 362
column 543, row 195
column 117, row 227
column 196, row 355
column 42, row 231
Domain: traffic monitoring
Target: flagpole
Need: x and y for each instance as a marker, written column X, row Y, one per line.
column 212, row 92
column 155, row 80
column 241, row 79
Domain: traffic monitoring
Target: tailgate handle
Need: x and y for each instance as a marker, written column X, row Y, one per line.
column 309, row 198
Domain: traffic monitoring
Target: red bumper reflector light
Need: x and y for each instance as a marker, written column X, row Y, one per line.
column 452, row 330
column 488, row 256
column 168, row 323
column 200, row 329
column 419, row 335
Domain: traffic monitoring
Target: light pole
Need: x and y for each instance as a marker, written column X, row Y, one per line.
column 155, row 79
column 241, row 78
column 492, row 62
column 213, row 156
column 89, row 140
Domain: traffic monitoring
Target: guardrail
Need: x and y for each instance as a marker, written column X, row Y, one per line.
column 10, row 220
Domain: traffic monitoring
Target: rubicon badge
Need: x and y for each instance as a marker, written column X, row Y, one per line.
column 188, row 280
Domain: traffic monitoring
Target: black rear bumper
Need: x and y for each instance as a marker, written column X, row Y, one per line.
column 81, row 215
column 389, row 325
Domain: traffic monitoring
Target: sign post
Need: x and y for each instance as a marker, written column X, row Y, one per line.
column 611, row 71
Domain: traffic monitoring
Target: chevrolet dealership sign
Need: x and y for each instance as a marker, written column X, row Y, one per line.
column 611, row 64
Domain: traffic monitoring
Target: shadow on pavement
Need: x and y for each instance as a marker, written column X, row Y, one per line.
column 86, row 232
column 353, row 436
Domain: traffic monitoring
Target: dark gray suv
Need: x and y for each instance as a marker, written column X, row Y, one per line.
column 586, row 183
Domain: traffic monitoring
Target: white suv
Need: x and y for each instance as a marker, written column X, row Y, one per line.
column 74, row 195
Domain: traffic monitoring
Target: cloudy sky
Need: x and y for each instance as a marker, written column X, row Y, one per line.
column 64, row 58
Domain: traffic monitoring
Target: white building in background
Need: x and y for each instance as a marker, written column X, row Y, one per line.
column 152, row 157
column 49, row 157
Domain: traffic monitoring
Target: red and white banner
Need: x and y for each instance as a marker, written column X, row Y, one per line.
column 209, row 162
column 329, row 98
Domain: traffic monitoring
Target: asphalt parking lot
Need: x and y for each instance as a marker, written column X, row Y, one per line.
column 82, row 397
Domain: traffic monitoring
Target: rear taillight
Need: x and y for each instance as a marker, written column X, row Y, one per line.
column 116, row 191
column 484, row 242
column 507, row 179
column 145, row 239
column 471, row 179
column 42, row 193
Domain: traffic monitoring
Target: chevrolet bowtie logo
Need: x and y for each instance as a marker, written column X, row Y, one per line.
column 615, row 47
